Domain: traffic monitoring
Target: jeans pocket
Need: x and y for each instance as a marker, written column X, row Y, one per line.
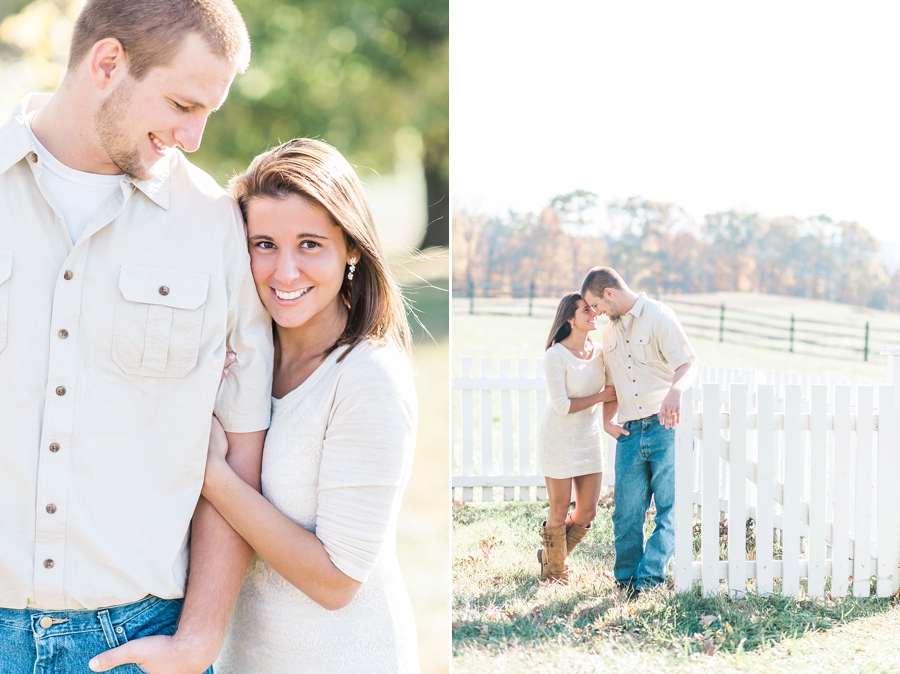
column 115, row 636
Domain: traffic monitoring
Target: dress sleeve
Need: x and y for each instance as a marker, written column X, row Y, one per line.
column 555, row 373
column 244, row 400
column 366, row 458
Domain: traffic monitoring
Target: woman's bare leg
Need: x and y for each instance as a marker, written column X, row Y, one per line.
column 587, row 494
column 559, row 493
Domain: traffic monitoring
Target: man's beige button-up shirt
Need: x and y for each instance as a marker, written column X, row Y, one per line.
column 111, row 353
column 642, row 350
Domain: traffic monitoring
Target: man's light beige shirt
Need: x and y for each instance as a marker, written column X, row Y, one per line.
column 642, row 350
column 111, row 353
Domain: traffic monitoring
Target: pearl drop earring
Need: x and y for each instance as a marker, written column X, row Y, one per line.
column 352, row 269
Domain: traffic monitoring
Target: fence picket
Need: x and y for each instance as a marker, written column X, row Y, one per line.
column 840, row 528
column 468, row 428
column 684, row 500
column 524, row 436
column 765, row 488
column 794, row 474
column 737, row 500
column 541, row 398
column 817, row 510
column 862, row 555
column 888, row 544
column 506, row 426
column 487, row 431
column 709, row 525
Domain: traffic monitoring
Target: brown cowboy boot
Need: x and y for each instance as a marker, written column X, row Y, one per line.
column 575, row 533
column 552, row 556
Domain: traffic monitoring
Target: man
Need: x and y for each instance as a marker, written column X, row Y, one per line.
column 651, row 364
column 124, row 278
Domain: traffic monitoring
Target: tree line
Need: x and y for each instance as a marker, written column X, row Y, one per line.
column 659, row 249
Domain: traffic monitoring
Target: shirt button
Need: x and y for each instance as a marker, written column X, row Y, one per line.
column 119, row 630
column 63, row 334
column 51, row 508
column 54, row 447
column 164, row 290
column 48, row 563
column 635, row 395
column 627, row 341
column 68, row 275
column 46, row 622
column 60, row 390
column 32, row 157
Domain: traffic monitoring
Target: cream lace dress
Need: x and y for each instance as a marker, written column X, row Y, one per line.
column 571, row 444
column 336, row 459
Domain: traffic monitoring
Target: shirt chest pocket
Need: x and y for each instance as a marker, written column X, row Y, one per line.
column 159, row 318
column 6, row 261
column 645, row 349
column 612, row 359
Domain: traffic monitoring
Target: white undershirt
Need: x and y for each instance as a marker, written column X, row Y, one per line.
column 77, row 195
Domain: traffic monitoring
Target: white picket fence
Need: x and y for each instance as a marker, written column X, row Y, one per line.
column 819, row 474
column 822, row 455
column 510, row 459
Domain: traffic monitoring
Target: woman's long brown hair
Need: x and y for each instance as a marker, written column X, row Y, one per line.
column 561, row 329
column 315, row 171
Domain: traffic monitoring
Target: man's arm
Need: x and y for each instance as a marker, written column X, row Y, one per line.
column 219, row 559
column 609, row 412
column 682, row 380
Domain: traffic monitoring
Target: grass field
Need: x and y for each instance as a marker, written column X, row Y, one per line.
column 520, row 336
column 505, row 620
column 423, row 529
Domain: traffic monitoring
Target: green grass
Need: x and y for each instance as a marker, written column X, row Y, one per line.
column 506, row 620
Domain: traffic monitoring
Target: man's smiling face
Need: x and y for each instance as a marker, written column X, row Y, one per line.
column 140, row 120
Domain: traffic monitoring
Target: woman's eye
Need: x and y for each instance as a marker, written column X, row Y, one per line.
column 265, row 245
column 309, row 245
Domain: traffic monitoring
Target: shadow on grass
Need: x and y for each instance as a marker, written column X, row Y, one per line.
column 500, row 603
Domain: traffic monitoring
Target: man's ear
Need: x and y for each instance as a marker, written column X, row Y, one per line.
column 106, row 62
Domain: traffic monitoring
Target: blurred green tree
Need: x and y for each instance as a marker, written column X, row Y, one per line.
column 370, row 77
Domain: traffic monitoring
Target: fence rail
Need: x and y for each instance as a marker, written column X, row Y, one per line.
column 719, row 322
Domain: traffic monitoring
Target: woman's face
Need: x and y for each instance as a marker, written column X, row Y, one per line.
column 298, row 257
column 585, row 318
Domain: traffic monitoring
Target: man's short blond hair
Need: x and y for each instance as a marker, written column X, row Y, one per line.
column 152, row 31
column 599, row 279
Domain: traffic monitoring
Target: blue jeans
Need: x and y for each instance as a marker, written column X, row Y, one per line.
column 75, row 637
column 645, row 466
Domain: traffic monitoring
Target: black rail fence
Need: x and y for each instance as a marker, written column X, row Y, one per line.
column 713, row 321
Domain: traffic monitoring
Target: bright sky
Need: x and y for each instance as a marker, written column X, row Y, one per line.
column 785, row 108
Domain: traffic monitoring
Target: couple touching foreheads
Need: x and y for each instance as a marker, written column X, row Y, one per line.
column 125, row 285
column 638, row 375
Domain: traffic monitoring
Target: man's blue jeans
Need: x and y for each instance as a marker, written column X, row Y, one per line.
column 645, row 466
column 74, row 637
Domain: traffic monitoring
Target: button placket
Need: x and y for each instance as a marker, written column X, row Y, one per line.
column 56, row 431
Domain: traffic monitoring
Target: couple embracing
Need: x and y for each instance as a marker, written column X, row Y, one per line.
column 125, row 285
column 638, row 375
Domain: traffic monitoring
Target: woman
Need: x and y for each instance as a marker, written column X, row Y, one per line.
column 323, row 592
column 570, row 444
